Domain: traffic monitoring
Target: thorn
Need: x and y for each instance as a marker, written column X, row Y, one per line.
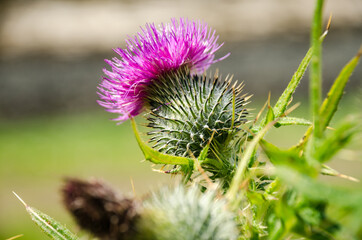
column 292, row 108
column 359, row 53
column 260, row 112
column 348, row 177
column 17, row 236
column 290, row 101
column 21, row 200
column 248, row 97
column 158, row 170
column 269, row 96
column 216, row 74
column 212, row 136
column 327, row 28
column 133, row 188
column 329, row 22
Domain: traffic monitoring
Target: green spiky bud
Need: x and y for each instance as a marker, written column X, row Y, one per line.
column 190, row 111
column 181, row 213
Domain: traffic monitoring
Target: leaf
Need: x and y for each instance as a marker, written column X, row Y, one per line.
column 50, row 227
column 157, row 157
column 330, row 103
column 337, row 139
column 320, row 191
column 204, row 152
column 269, row 116
column 289, row 158
column 286, row 96
column 285, row 121
column 347, row 199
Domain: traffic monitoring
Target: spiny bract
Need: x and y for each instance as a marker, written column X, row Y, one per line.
column 189, row 111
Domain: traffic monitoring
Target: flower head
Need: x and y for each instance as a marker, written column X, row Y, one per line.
column 100, row 210
column 184, row 213
column 152, row 53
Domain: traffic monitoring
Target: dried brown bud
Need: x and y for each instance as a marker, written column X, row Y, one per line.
column 99, row 210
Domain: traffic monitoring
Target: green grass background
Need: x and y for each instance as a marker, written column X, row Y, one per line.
column 37, row 153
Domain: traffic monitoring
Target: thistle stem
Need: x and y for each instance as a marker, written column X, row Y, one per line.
column 316, row 72
column 238, row 178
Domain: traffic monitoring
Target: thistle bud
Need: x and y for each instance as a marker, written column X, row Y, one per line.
column 181, row 213
column 99, row 210
column 190, row 111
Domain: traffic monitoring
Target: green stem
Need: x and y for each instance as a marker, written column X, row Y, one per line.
column 238, row 178
column 316, row 72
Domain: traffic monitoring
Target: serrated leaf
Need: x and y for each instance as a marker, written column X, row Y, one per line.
column 157, row 157
column 286, row 96
column 285, row 121
column 290, row 158
column 330, row 103
column 50, row 227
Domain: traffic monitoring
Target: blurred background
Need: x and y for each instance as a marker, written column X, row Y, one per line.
column 51, row 59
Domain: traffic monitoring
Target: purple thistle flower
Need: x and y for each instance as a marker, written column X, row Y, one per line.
column 152, row 53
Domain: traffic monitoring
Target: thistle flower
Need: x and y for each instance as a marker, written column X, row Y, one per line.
column 181, row 213
column 99, row 210
column 151, row 54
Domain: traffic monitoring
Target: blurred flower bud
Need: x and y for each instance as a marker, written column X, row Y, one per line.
column 100, row 210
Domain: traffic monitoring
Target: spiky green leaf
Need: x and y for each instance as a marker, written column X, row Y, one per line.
column 157, row 157
column 48, row 225
column 286, row 96
column 330, row 103
column 285, row 121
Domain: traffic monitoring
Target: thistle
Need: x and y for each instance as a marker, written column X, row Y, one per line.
column 187, row 214
column 187, row 112
column 191, row 111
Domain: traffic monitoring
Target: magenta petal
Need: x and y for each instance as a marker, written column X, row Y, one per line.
column 151, row 53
